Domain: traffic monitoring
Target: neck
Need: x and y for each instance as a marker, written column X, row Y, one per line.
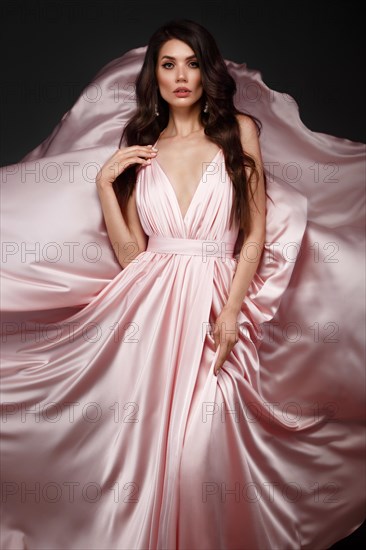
column 183, row 122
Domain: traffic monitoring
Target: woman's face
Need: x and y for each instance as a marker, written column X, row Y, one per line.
column 177, row 67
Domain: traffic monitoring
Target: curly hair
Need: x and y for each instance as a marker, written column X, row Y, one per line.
column 220, row 123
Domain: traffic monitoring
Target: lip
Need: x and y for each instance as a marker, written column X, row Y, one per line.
column 181, row 90
column 182, row 93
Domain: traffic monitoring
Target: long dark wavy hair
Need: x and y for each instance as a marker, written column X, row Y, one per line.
column 219, row 123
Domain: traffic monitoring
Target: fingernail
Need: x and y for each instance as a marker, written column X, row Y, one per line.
column 155, row 149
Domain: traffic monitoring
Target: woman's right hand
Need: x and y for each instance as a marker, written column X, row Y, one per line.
column 122, row 159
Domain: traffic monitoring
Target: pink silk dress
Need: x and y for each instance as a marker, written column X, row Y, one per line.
column 116, row 434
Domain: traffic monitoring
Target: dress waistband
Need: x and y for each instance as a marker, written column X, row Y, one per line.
column 205, row 248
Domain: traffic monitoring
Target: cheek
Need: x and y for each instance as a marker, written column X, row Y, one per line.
column 163, row 79
column 197, row 80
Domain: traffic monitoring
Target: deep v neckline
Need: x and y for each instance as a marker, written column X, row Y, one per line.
column 170, row 186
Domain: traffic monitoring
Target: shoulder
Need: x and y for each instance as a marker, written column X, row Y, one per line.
column 248, row 128
column 249, row 135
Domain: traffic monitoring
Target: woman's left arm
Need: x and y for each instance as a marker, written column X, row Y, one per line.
column 226, row 330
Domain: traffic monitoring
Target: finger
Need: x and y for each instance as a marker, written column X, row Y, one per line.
column 220, row 359
column 217, row 367
column 144, row 154
column 137, row 160
column 216, row 370
column 138, row 150
column 119, row 166
column 216, row 336
column 216, row 341
column 147, row 155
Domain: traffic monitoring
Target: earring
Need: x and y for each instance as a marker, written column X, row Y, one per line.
column 156, row 110
column 205, row 110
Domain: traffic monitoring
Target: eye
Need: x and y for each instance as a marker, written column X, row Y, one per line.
column 169, row 63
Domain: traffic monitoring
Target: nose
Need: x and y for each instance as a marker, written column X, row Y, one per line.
column 181, row 75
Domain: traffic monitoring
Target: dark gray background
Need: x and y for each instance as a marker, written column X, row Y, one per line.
column 52, row 49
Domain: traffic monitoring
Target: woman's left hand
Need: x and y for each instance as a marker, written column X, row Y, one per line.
column 225, row 333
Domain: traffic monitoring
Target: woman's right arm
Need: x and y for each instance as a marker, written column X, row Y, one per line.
column 127, row 237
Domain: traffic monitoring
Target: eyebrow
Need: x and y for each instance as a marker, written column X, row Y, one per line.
column 170, row 57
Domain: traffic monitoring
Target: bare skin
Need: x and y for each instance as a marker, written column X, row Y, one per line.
column 181, row 160
column 183, row 154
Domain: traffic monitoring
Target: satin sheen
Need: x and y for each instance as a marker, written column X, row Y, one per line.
column 115, row 432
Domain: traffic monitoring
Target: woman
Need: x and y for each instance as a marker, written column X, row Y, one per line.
column 109, row 374
column 172, row 65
